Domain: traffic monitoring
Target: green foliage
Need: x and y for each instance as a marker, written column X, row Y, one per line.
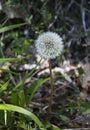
column 20, row 98
column 4, row 86
column 9, row 59
column 80, row 70
column 21, row 110
column 50, row 126
column 19, row 43
column 84, row 106
column 33, row 88
column 11, row 27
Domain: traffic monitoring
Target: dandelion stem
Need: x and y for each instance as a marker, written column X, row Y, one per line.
column 51, row 86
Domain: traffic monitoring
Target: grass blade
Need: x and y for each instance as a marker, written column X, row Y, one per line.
column 3, row 87
column 11, row 27
column 21, row 110
column 34, row 87
column 9, row 59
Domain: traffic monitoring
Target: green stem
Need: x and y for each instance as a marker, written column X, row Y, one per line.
column 51, row 86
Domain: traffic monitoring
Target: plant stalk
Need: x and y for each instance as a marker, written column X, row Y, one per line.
column 51, row 86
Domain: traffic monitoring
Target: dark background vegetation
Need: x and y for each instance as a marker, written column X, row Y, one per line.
column 71, row 20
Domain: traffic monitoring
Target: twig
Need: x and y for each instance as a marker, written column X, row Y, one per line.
column 83, row 15
column 71, row 2
column 55, row 18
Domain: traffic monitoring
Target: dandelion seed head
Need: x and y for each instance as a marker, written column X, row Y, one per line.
column 49, row 45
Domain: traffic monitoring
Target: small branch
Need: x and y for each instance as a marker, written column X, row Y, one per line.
column 83, row 15
column 70, row 4
column 55, row 18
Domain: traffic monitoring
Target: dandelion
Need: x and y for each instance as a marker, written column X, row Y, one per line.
column 49, row 45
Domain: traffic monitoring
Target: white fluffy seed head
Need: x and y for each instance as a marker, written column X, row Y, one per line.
column 49, row 45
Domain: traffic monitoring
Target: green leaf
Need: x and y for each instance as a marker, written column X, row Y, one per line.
column 3, row 87
column 80, row 70
column 64, row 118
column 21, row 98
column 21, row 110
column 50, row 126
column 8, row 71
column 9, row 59
column 21, row 83
column 14, row 98
column 55, row 127
column 34, row 87
column 22, row 125
column 11, row 27
column 87, row 111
